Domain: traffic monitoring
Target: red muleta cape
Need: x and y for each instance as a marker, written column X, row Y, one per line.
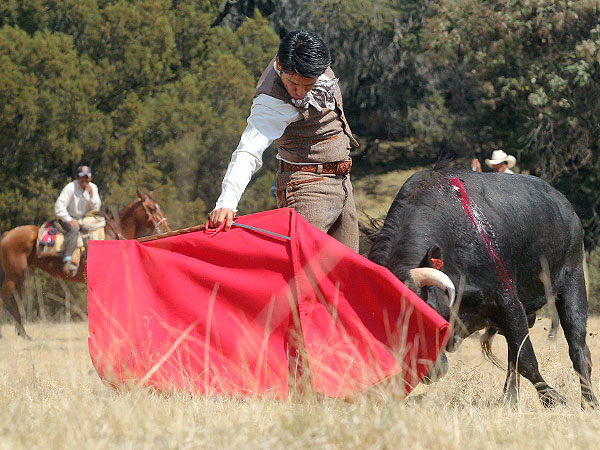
column 229, row 313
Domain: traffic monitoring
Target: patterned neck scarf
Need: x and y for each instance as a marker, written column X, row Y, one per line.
column 320, row 96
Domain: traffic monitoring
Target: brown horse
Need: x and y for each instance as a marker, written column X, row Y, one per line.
column 18, row 250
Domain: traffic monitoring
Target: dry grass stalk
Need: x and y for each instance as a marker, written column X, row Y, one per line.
column 52, row 398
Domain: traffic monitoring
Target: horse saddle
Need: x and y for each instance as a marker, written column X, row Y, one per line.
column 51, row 236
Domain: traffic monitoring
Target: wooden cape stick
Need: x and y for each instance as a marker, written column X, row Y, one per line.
column 172, row 233
column 202, row 227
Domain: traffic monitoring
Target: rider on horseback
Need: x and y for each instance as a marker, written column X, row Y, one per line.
column 76, row 199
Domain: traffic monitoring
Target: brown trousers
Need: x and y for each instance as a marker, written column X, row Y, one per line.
column 325, row 200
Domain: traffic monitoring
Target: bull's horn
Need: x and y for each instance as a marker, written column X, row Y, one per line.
column 426, row 276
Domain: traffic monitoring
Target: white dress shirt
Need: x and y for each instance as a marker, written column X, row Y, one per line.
column 74, row 202
column 269, row 117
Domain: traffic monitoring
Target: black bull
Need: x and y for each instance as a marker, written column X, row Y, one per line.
column 504, row 240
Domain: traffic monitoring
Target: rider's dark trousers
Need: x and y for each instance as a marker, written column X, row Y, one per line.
column 71, row 235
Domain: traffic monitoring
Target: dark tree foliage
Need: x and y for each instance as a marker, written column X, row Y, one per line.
column 154, row 93
column 422, row 78
column 523, row 75
column 148, row 92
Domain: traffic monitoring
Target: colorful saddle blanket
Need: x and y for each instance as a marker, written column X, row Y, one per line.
column 48, row 234
column 51, row 237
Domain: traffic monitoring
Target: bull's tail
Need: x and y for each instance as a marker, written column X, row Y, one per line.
column 368, row 231
column 486, row 346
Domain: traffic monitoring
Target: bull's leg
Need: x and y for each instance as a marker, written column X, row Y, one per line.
column 438, row 370
column 555, row 322
column 511, row 385
column 572, row 305
column 512, row 320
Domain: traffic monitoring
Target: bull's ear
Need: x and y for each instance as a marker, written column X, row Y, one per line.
column 434, row 252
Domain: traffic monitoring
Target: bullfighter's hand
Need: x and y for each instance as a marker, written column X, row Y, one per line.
column 219, row 215
column 74, row 224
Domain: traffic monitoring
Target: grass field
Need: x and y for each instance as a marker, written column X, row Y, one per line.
column 52, row 398
column 373, row 194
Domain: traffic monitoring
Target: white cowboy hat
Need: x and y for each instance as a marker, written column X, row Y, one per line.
column 498, row 156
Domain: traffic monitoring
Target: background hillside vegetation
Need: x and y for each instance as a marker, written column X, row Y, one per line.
column 154, row 94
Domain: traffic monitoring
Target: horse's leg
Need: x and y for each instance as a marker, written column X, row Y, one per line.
column 9, row 302
column 8, row 286
column 12, row 307
column 5, row 293
column 14, row 268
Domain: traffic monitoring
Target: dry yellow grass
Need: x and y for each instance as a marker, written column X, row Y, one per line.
column 374, row 193
column 51, row 398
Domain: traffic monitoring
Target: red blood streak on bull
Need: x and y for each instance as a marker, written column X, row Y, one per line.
column 481, row 224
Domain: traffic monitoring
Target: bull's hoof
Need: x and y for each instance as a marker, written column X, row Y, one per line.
column 589, row 402
column 510, row 398
column 550, row 398
column 438, row 370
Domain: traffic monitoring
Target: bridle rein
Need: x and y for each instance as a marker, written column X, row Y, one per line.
column 157, row 220
column 152, row 217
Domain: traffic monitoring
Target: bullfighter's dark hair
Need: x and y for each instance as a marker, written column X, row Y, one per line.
column 303, row 52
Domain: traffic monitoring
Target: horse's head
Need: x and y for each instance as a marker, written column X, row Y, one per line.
column 155, row 219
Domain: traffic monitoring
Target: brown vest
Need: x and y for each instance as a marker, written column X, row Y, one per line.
column 319, row 136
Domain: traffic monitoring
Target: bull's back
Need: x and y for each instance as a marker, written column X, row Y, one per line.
column 522, row 218
column 461, row 210
column 525, row 212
